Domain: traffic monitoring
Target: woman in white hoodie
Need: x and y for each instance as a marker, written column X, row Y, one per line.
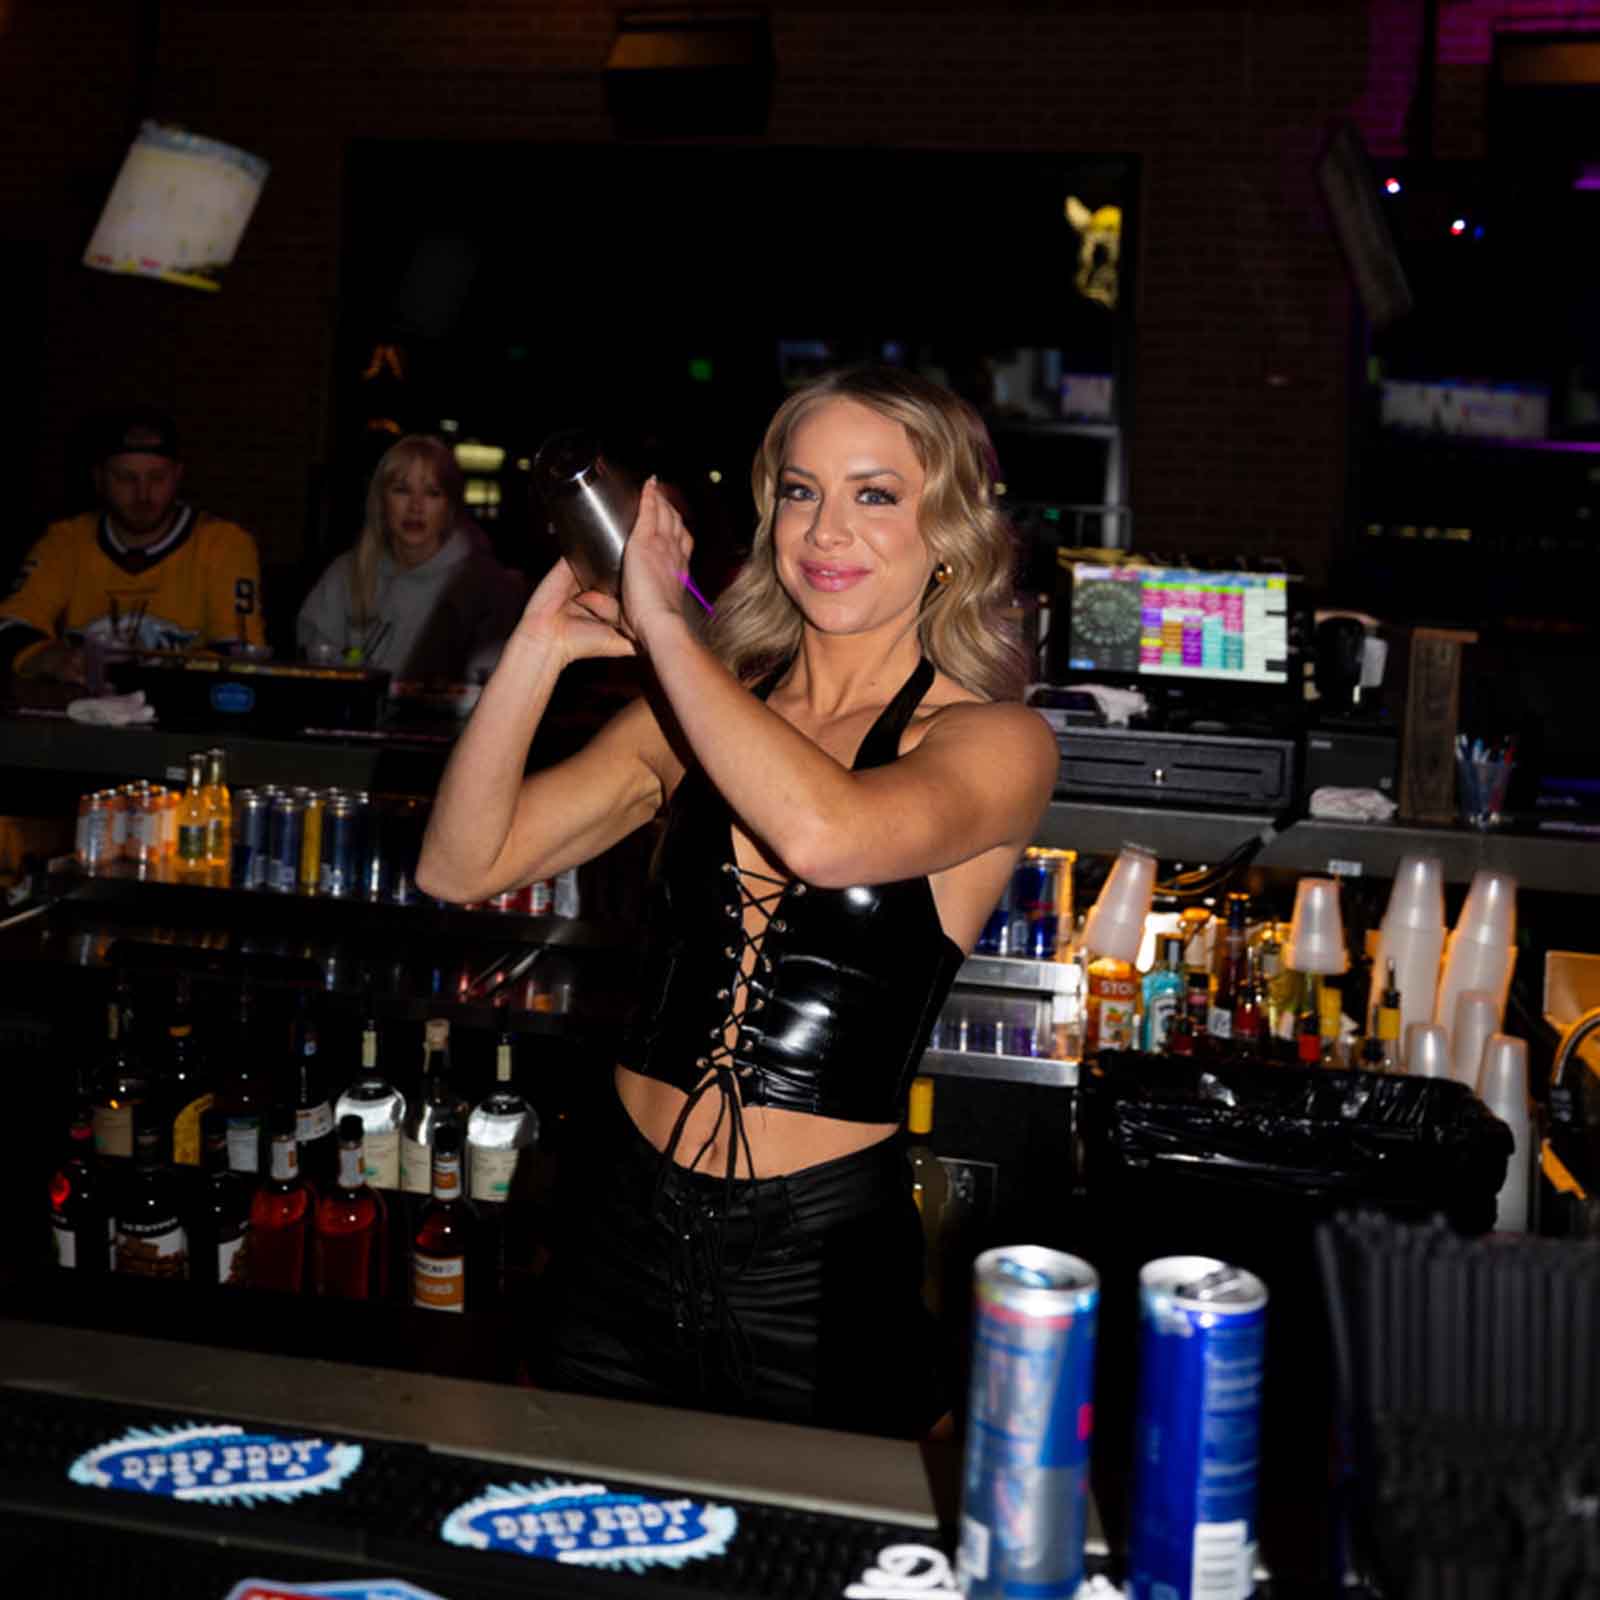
column 421, row 594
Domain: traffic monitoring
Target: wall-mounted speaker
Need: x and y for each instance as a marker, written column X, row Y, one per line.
column 686, row 74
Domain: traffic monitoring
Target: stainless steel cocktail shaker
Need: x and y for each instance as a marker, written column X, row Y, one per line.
column 591, row 504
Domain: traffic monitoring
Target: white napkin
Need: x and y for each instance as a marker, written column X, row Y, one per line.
column 1351, row 805
column 1116, row 705
column 113, row 710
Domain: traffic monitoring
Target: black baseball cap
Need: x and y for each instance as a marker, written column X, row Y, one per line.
column 138, row 430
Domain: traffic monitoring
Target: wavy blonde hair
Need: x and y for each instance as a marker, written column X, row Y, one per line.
column 397, row 461
column 962, row 627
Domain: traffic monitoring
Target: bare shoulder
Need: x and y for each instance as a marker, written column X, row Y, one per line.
column 951, row 714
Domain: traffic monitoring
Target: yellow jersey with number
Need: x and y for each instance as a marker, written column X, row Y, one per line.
column 199, row 584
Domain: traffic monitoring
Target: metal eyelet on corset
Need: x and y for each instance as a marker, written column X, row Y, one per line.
column 778, row 925
column 716, row 1031
column 797, row 888
column 722, row 994
column 703, row 1062
column 729, row 952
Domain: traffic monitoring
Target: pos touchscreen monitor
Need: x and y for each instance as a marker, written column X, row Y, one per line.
column 1205, row 642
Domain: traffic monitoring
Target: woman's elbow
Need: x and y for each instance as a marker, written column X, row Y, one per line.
column 435, row 879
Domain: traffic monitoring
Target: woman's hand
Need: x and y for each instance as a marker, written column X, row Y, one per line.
column 579, row 624
column 655, row 564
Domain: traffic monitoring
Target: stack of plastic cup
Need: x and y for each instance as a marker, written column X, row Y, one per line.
column 1427, row 1050
column 1316, row 935
column 1481, row 948
column 1503, row 1088
column 1115, row 924
column 1412, row 936
column 1477, row 1017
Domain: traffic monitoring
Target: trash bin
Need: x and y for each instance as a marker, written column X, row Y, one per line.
column 1242, row 1161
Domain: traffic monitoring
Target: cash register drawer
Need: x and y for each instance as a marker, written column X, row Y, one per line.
column 1176, row 768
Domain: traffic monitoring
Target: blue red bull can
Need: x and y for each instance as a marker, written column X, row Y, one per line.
column 250, row 811
column 285, row 832
column 1202, row 1346
column 341, row 865
column 1025, row 1478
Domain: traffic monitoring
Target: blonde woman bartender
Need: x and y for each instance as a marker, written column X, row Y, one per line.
column 846, row 779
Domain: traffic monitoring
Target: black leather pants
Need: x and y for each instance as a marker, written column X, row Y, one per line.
column 795, row 1298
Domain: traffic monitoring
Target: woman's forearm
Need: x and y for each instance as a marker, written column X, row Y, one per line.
column 477, row 798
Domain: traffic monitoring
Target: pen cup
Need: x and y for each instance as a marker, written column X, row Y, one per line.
column 1482, row 779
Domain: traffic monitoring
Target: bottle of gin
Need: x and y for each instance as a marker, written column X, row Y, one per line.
column 436, row 1102
column 1164, row 988
column 503, row 1127
column 381, row 1109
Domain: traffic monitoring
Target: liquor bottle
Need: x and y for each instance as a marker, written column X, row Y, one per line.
column 314, row 1129
column 1387, row 1016
column 218, row 804
column 246, row 1093
column 1164, row 989
column 1230, row 969
column 183, row 1086
column 1307, row 1037
column 501, row 1129
column 80, row 1214
column 219, row 1218
column 444, row 1245
column 1250, row 1005
column 436, row 1101
column 1330, row 1024
column 123, row 1084
column 152, row 1241
column 1377, row 1053
column 280, row 1213
column 382, row 1110
column 347, row 1245
column 930, row 1188
column 1196, row 926
column 194, row 823
column 1181, row 1035
column 1111, row 1010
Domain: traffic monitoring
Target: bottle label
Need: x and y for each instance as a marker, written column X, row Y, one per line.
column 416, row 1166
column 351, row 1166
column 438, row 1283
column 192, row 842
column 244, row 1144
column 66, row 1238
column 113, row 1130
column 1116, row 1023
column 492, row 1172
column 447, row 1177
column 186, row 1131
column 157, row 1249
column 313, row 1122
column 1158, row 1015
column 1219, row 1023
column 285, row 1160
column 380, row 1160
column 231, row 1260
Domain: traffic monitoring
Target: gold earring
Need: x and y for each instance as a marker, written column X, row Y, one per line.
column 943, row 573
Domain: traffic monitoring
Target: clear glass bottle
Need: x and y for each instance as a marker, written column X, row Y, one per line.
column 436, row 1102
column 382, row 1110
column 1164, row 988
column 152, row 1241
column 446, row 1272
column 194, row 821
column 280, row 1213
column 80, row 1212
column 245, row 1093
column 123, row 1084
column 218, row 808
column 502, row 1127
column 930, row 1189
column 219, row 1219
column 347, row 1248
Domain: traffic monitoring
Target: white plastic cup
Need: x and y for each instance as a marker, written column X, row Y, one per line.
column 1427, row 1050
column 1115, row 924
column 1316, row 935
column 1503, row 1088
column 1477, row 1018
column 1481, row 949
column 1412, row 936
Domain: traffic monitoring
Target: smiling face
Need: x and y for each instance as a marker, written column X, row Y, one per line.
column 846, row 540
column 416, row 514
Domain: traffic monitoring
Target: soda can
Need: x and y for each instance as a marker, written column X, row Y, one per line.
column 310, row 870
column 1202, row 1345
column 541, row 897
column 250, row 854
column 94, row 830
column 341, row 848
column 1034, row 888
column 285, row 833
column 1025, row 1475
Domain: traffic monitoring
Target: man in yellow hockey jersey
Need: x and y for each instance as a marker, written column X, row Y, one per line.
column 146, row 570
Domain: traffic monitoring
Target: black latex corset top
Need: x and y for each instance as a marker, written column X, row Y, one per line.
column 826, row 1008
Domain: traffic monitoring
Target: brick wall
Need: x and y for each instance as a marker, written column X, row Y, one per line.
column 1244, row 310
